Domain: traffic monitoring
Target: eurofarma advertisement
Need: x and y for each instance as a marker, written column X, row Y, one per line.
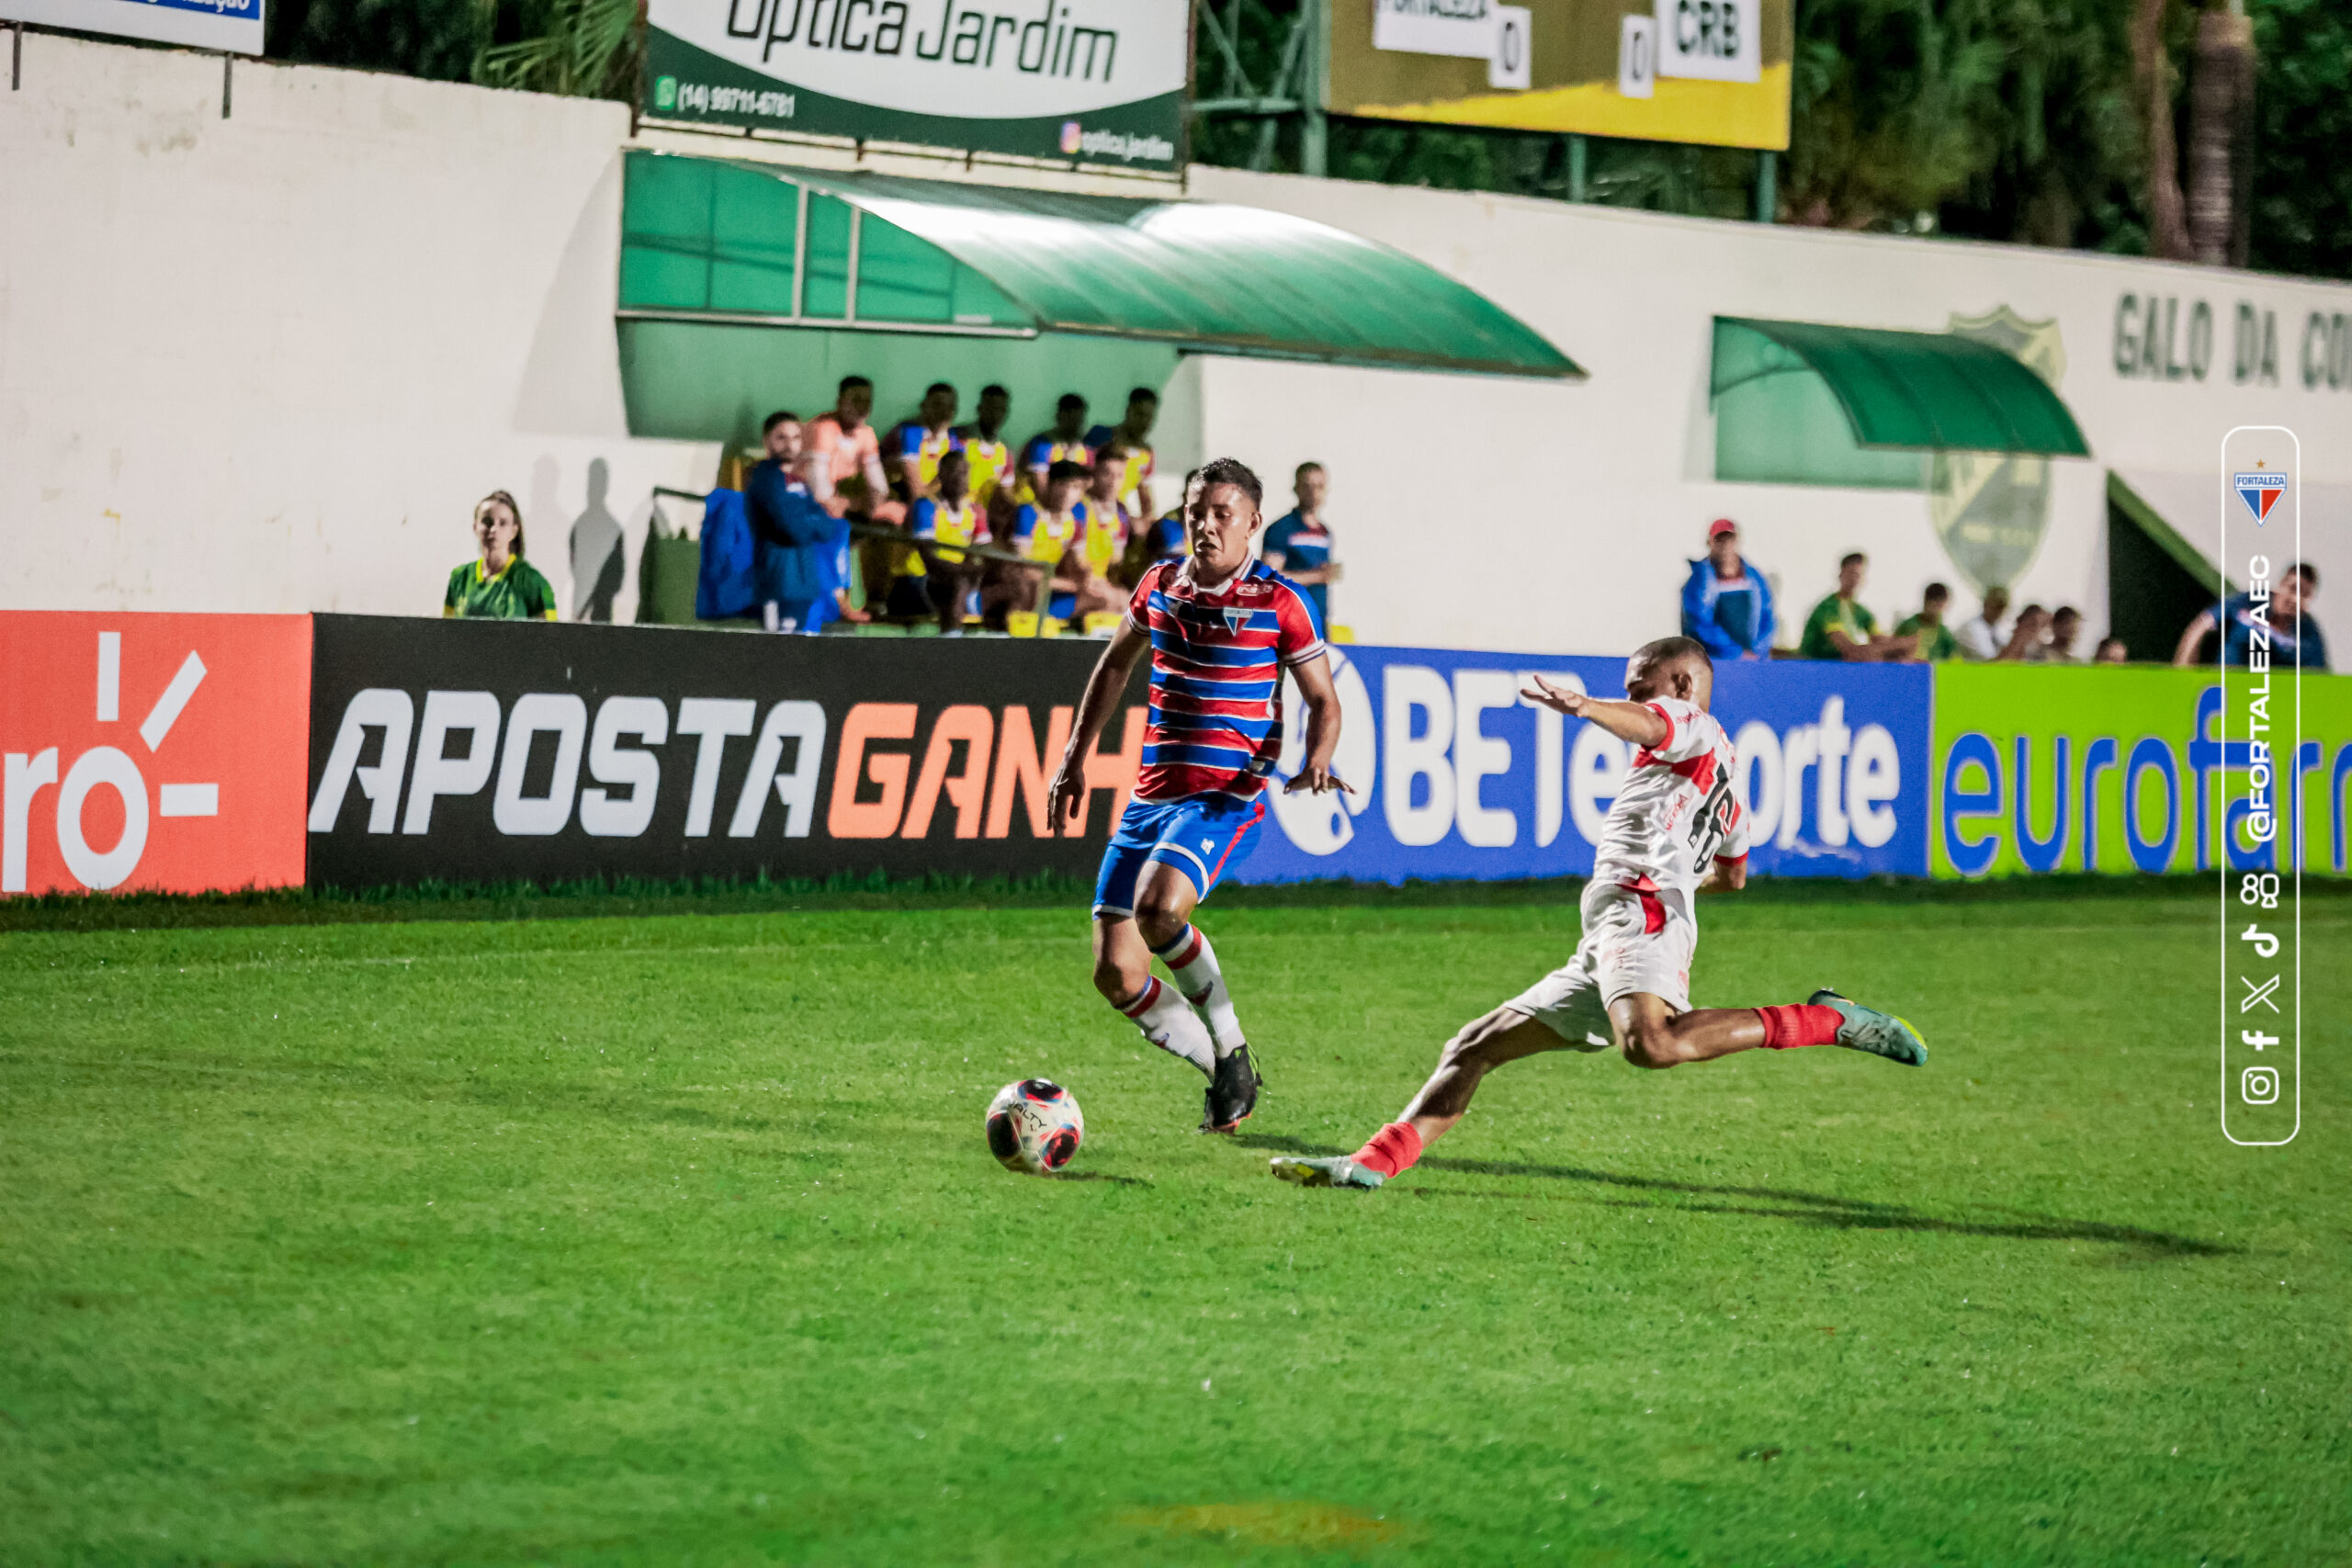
column 2048, row 770
column 1093, row 81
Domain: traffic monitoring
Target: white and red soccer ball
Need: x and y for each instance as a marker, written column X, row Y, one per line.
column 1035, row 1126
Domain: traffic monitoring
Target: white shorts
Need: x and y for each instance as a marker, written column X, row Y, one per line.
column 1632, row 942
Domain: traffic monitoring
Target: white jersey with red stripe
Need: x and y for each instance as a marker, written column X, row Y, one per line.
column 1676, row 812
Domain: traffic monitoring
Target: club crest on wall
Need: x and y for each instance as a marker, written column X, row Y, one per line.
column 1991, row 509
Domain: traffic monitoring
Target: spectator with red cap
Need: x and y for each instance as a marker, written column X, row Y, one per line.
column 1727, row 607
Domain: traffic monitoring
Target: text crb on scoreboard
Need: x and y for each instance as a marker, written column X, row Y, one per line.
column 1098, row 81
column 1710, row 72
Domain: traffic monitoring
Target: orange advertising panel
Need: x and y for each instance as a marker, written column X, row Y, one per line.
column 158, row 752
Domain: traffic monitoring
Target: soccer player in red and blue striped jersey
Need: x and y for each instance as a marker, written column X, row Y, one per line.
column 1221, row 628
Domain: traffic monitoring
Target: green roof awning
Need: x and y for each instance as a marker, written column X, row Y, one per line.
column 1905, row 390
column 755, row 244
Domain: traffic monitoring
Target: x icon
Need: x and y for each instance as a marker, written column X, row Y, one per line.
column 2257, row 994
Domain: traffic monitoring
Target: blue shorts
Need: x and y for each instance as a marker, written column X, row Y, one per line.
column 1199, row 836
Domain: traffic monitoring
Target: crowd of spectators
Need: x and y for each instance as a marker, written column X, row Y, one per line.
column 960, row 529
column 1727, row 606
column 951, row 525
column 931, row 521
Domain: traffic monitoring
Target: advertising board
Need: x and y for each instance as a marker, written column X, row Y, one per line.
column 1714, row 72
column 167, row 752
column 1456, row 776
column 145, row 752
column 2045, row 770
column 485, row 752
column 1093, row 80
column 231, row 26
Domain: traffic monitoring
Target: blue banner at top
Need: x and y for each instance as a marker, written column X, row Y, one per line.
column 1457, row 776
column 232, row 27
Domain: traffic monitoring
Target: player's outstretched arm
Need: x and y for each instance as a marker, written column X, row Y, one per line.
column 1626, row 721
column 1322, row 700
column 1103, row 689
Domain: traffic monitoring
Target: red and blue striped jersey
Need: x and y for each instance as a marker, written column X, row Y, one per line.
column 1216, row 692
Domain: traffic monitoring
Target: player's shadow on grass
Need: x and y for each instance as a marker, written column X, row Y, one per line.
column 1788, row 1204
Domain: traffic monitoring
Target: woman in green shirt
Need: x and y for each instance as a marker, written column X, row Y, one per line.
column 500, row 585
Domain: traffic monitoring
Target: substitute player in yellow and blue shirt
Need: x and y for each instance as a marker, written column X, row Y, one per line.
column 949, row 521
column 1133, row 433
column 984, row 447
column 1223, row 630
column 1064, row 443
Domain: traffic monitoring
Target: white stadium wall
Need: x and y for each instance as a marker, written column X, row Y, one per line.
column 268, row 362
column 1502, row 515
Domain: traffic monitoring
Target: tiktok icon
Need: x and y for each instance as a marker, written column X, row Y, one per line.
column 2261, row 715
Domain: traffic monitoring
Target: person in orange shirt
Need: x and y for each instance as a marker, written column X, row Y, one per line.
column 844, row 458
column 844, row 455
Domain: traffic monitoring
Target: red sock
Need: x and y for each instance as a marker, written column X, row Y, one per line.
column 1799, row 1025
column 1392, row 1149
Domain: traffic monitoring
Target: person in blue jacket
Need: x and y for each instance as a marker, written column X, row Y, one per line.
column 789, row 529
column 1725, row 606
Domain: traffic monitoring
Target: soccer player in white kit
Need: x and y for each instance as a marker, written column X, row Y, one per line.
column 1675, row 831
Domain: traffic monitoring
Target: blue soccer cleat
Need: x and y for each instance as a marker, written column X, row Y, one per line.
column 1867, row 1028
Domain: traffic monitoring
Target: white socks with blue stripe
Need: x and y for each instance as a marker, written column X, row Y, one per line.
column 1192, row 961
column 1169, row 1023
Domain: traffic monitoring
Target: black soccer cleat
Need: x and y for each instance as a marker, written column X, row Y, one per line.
column 1232, row 1092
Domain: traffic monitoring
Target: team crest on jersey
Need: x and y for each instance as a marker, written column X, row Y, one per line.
column 2261, row 490
column 1235, row 618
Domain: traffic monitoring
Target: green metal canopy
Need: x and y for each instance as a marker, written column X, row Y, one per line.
column 1905, row 390
column 710, row 240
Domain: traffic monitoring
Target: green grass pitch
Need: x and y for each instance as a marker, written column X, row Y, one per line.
column 674, row 1240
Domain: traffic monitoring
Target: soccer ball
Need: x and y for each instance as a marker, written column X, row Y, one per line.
column 1035, row 1126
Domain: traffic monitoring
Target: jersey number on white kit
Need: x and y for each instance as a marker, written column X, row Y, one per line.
column 1712, row 821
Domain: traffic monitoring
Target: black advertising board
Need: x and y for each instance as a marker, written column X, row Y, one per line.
column 488, row 751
